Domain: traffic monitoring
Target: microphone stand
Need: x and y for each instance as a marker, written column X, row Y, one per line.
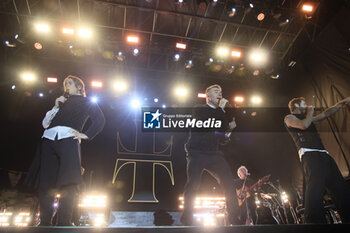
column 245, row 200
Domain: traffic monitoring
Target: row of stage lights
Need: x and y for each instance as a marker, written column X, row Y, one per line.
column 121, row 86
column 256, row 56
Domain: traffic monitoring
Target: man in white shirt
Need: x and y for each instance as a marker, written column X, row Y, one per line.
column 60, row 169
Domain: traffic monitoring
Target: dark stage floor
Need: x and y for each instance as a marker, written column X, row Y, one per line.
column 234, row 229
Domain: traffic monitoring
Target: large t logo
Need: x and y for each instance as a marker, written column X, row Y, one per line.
column 144, row 157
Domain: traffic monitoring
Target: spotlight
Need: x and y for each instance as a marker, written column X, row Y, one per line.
column 251, row 5
column 181, row 45
column 176, row 57
column 222, row 52
column 155, row 100
column 97, row 84
column 68, row 31
column 261, row 16
column 13, row 87
column 236, row 53
column 94, row 99
column 163, row 106
column 277, row 76
column 70, row 46
column 28, row 77
column 202, row 95
column 132, row 39
column 256, row 72
column 232, row 12
column 256, row 100
column 284, row 22
column 211, row 60
column 42, row 27
column 239, row 99
column 136, row 52
column 84, row 33
column 307, row 7
column 38, row 46
column 16, row 36
column 120, row 57
column 120, row 86
column 189, row 64
column 284, row 197
column 5, row 219
column 22, row 219
column 93, row 201
column 181, row 91
column 8, row 44
column 258, row 57
column 51, row 79
column 135, row 103
column 41, row 95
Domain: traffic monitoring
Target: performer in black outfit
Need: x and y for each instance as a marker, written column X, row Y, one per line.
column 60, row 169
column 203, row 154
column 242, row 173
column 320, row 170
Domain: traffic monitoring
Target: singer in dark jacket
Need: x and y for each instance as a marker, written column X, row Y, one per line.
column 60, row 168
column 203, row 153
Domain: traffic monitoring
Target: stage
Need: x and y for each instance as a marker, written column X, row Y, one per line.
column 233, row 229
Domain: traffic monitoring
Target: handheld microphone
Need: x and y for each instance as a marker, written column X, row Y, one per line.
column 65, row 95
column 247, row 174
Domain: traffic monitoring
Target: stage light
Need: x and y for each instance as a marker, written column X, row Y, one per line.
column 284, row 197
column 256, row 72
column 120, row 57
column 99, row 220
column 261, row 16
column 155, row 100
column 94, row 99
column 5, row 219
column 132, row 39
column 251, row 5
column 13, row 87
column 222, row 52
column 70, row 46
column 7, row 42
column 22, row 219
column 307, row 7
column 180, row 1
column 236, row 53
column 256, row 100
column 38, row 46
column 232, row 12
column 136, row 52
column 120, row 86
column 258, row 57
column 181, row 91
column 51, row 79
column 181, row 45
column 41, row 94
column 84, row 33
column 211, row 60
column 16, row 36
column 135, row 103
column 189, row 64
column 163, row 106
column 202, row 95
column 176, row 57
column 93, row 201
column 97, row 84
column 239, row 99
column 28, row 77
column 284, row 22
column 277, row 76
column 42, row 27
column 68, row 31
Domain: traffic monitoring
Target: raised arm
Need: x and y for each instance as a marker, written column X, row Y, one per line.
column 331, row 110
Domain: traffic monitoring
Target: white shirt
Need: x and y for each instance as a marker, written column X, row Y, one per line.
column 59, row 131
column 302, row 151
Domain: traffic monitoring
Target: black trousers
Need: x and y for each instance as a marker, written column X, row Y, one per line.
column 321, row 174
column 59, row 173
column 215, row 164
